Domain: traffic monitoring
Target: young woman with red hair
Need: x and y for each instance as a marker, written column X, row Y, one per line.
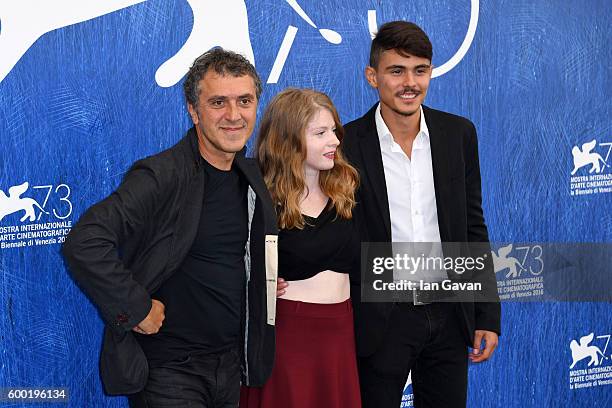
column 313, row 187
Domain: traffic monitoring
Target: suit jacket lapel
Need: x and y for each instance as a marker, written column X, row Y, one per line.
column 372, row 159
column 252, row 173
column 440, row 156
column 191, row 206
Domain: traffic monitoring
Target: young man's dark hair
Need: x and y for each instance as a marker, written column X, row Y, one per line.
column 223, row 62
column 402, row 36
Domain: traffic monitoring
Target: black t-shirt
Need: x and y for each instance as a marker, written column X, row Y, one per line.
column 204, row 298
column 327, row 242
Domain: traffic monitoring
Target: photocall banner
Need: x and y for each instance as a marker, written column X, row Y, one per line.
column 88, row 87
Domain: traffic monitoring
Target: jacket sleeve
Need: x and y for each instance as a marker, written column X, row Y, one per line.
column 487, row 313
column 93, row 247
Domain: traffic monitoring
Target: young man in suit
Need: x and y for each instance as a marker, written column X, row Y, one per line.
column 420, row 182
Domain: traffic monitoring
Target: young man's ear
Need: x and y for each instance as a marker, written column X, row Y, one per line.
column 370, row 74
column 193, row 114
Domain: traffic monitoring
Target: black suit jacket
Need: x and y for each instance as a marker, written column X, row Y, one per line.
column 454, row 152
column 124, row 247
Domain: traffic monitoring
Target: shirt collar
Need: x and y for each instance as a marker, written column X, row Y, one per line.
column 385, row 136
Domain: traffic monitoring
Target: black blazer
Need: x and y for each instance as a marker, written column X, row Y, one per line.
column 124, row 247
column 454, row 152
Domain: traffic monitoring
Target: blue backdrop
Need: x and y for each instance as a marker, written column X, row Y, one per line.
column 88, row 87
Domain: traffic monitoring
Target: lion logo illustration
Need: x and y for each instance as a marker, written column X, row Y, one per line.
column 15, row 203
column 223, row 24
column 502, row 261
column 583, row 350
column 585, row 157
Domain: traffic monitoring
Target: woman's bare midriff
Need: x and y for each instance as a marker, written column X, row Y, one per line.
column 325, row 287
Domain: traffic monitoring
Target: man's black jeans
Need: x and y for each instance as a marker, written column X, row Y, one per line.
column 427, row 340
column 200, row 381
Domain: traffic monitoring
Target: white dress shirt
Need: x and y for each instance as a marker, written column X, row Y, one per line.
column 410, row 187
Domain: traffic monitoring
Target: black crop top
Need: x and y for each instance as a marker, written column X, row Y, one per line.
column 327, row 242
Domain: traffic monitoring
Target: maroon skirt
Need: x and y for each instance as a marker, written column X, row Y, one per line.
column 314, row 363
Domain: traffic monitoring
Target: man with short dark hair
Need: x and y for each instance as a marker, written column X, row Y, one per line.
column 420, row 177
column 181, row 259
